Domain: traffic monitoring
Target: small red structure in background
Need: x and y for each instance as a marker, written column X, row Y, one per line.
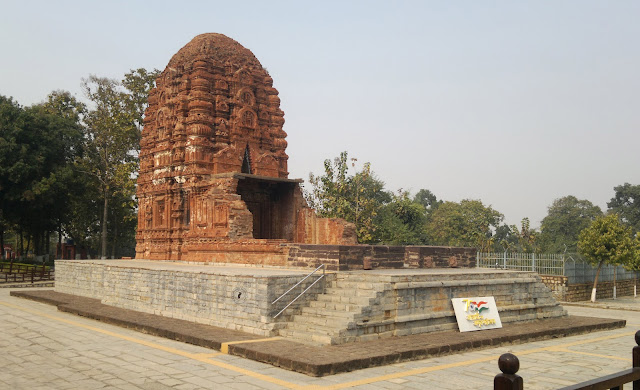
column 8, row 252
column 68, row 251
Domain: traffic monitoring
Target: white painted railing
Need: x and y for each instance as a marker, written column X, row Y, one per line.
column 303, row 292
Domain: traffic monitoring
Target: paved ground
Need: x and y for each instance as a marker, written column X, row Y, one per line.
column 622, row 303
column 320, row 360
column 42, row 348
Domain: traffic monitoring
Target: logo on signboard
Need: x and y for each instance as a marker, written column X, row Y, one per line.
column 476, row 313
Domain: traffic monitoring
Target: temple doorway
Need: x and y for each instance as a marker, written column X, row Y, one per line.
column 270, row 201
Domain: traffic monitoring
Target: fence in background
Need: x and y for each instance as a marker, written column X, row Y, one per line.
column 14, row 273
column 545, row 264
column 571, row 265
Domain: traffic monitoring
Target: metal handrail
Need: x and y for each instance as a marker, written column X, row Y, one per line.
column 296, row 285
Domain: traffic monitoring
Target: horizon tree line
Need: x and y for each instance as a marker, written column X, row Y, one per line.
column 68, row 168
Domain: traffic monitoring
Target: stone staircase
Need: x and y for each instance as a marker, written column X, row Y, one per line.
column 366, row 305
column 342, row 305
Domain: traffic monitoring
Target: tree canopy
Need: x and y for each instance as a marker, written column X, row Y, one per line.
column 467, row 223
column 401, row 221
column 566, row 218
column 626, row 203
column 516, row 239
column 69, row 167
column 38, row 145
column 606, row 241
column 356, row 197
column 112, row 140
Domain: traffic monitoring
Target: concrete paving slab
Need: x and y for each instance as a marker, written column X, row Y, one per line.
column 621, row 303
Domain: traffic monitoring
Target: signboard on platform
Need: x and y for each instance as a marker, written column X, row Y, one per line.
column 476, row 313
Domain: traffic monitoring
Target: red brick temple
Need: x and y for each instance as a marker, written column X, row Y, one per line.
column 213, row 183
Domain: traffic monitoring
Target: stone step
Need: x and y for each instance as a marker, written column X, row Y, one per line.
column 338, row 306
column 356, row 285
column 351, row 292
column 328, row 312
column 351, row 300
column 313, row 329
column 310, row 328
column 306, row 337
column 384, row 279
column 308, row 325
column 334, row 327
column 436, row 284
column 322, row 322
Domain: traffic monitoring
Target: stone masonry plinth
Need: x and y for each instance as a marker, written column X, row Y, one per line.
column 229, row 297
column 345, row 306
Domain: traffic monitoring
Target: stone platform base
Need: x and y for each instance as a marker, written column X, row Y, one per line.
column 327, row 359
column 232, row 297
column 343, row 307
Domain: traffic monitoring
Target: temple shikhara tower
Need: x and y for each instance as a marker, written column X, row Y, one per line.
column 213, row 182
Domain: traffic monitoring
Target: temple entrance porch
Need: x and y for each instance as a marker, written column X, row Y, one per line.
column 271, row 201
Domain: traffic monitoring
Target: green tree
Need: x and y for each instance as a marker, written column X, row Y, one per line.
column 37, row 152
column 73, row 185
column 123, row 216
column 401, row 221
column 331, row 193
column 137, row 84
column 566, row 218
column 606, row 241
column 84, row 227
column 356, row 197
column 512, row 238
column 111, row 141
column 11, row 117
column 65, row 105
column 468, row 223
column 634, row 262
column 427, row 199
column 626, row 203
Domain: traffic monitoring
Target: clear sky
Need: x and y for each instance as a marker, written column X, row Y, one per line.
column 514, row 103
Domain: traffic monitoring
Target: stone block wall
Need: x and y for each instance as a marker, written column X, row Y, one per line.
column 357, row 257
column 239, row 302
column 312, row 256
column 83, row 278
column 563, row 291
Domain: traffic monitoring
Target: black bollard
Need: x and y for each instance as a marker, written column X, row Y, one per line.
column 635, row 357
column 508, row 380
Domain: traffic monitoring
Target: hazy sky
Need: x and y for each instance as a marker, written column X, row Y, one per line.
column 513, row 103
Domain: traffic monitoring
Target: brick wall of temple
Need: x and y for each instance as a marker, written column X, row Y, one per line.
column 310, row 229
column 354, row 257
